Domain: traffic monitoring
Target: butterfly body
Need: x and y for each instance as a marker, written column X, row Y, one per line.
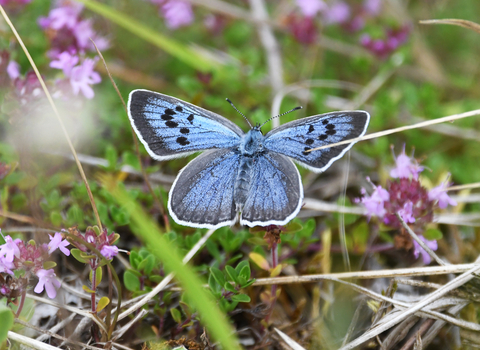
column 247, row 173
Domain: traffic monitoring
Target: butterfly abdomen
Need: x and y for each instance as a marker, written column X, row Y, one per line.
column 242, row 182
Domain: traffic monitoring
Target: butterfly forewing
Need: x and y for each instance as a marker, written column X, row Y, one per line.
column 275, row 194
column 294, row 139
column 202, row 195
column 170, row 127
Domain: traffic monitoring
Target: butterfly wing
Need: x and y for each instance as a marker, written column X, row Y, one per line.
column 202, row 194
column 276, row 193
column 294, row 138
column 171, row 128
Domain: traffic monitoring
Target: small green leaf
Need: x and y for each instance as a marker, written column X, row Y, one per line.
column 232, row 273
column 56, row 218
column 432, row 234
column 47, row 265
column 228, row 286
column 176, row 315
column 87, row 289
column 104, row 301
column 150, row 265
column 260, row 261
column 245, row 272
column 248, row 284
column 77, row 254
column 241, row 298
column 134, row 259
column 6, row 315
column 218, row 275
column 131, row 281
column 212, row 283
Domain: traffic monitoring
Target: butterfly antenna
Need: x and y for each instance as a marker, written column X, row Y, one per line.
column 243, row 115
column 278, row 116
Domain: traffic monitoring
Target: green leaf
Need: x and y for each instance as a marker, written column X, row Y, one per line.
column 232, row 273
column 432, row 234
column 248, row 284
column 131, row 281
column 104, row 301
column 149, row 265
column 174, row 48
column 77, row 254
column 6, row 315
column 47, row 265
column 56, row 218
column 218, row 275
column 245, row 273
column 111, row 156
column 176, row 315
column 87, row 289
column 241, row 298
column 260, row 261
column 134, row 259
column 228, row 286
column 214, row 286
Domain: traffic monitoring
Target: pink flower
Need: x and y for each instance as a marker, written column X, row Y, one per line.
column 66, row 62
column 47, row 281
column 375, row 204
column 109, row 251
column 64, row 16
column 405, row 167
column 56, row 242
column 177, row 13
column 417, row 250
column 439, row 194
column 83, row 76
column 339, row 12
column 372, row 7
column 83, row 31
column 309, row 8
column 6, row 266
column 9, row 249
column 13, row 70
column 406, row 213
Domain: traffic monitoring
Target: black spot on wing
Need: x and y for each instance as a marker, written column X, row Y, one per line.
column 323, row 137
column 190, row 118
column 310, row 129
column 330, row 126
column 179, row 109
column 166, row 117
column 309, row 141
column 184, row 130
column 305, row 151
column 325, row 122
column 171, row 124
column 183, row 141
column 330, row 132
column 170, row 111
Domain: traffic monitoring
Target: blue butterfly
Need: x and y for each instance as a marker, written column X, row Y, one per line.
column 247, row 173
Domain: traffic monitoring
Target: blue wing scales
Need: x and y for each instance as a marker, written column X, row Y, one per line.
column 276, row 193
column 295, row 138
column 171, row 128
column 202, row 194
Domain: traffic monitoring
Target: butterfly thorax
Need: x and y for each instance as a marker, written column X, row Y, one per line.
column 251, row 146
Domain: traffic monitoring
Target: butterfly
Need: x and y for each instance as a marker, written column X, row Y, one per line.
column 250, row 174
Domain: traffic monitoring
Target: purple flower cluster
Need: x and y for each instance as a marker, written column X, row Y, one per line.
column 103, row 242
column 404, row 195
column 350, row 17
column 16, row 255
column 69, row 36
column 177, row 13
column 382, row 48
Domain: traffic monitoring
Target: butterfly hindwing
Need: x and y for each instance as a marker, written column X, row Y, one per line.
column 202, row 194
column 170, row 127
column 293, row 139
column 276, row 193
